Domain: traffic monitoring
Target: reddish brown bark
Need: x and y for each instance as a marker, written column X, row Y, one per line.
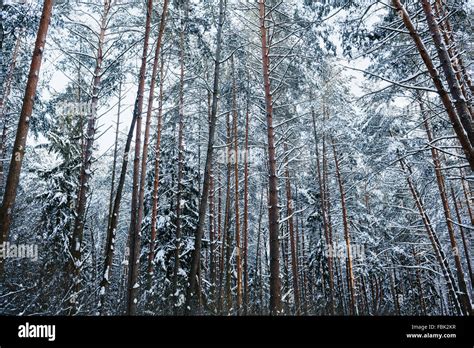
column 85, row 172
column 324, row 211
column 463, row 237
column 246, row 213
column 151, row 98
column 461, row 126
column 13, row 178
column 440, row 256
column 460, row 103
column 227, row 238
column 454, row 55
column 275, row 291
column 156, row 179
column 464, row 294
column 467, row 194
column 220, row 239
column 196, row 255
column 132, row 299
column 107, row 251
column 238, row 259
column 347, row 237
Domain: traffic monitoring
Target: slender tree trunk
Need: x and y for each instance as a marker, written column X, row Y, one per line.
column 13, row 178
column 156, row 181
column 228, row 237
column 290, row 212
column 463, row 237
column 394, row 291
column 238, row 259
column 461, row 126
column 114, row 163
column 467, row 194
column 275, row 291
column 450, row 38
column 284, row 257
column 454, row 55
column 196, row 254
column 111, row 202
column 212, row 217
column 421, row 295
column 258, row 258
column 85, row 172
column 246, row 213
column 304, row 270
column 460, row 103
column 151, row 98
column 220, row 239
column 212, row 239
column 112, row 228
column 350, row 274
column 324, row 213
column 433, row 239
column 464, row 295
column 180, row 167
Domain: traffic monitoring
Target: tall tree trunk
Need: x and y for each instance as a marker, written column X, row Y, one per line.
column 454, row 55
column 13, row 178
column 449, row 30
column 464, row 295
column 258, row 258
column 111, row 204
column 304, row 270
column 433, row 239
column 324, row 211
column 238, row 259
column 212, row 239
column 220, row 239
column 421, row 296
column 156, row 181
column 460, row 103
column 290, row 212
column 228, row 237
column 394, row 291
column 463, row 237
column 461, row 126
column 85, row 172
column 112, row 228
column 141, row 194
column 347, row 237
column 114, row 162
column 246, row 213
column 467, row 194
column 196, row 254
column 180, row 167
column 275, row 291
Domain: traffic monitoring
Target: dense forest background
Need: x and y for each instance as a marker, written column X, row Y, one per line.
column 236, row 157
